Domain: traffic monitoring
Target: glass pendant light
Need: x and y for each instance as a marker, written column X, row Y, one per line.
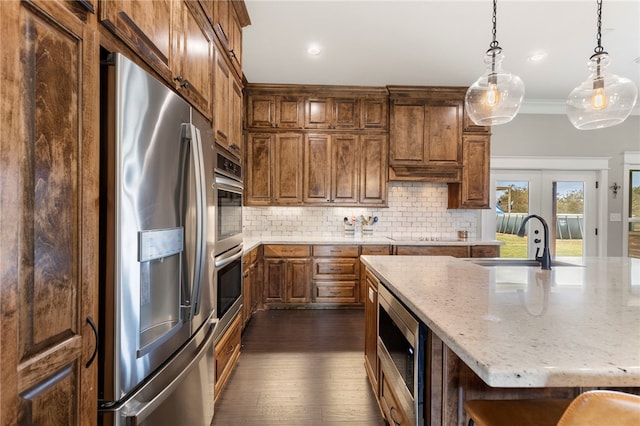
column 496, row 96
column 604, row 99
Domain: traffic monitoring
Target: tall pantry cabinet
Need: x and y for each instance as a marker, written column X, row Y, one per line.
column 49, row 220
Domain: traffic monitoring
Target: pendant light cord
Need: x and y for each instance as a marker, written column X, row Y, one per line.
column 599, row 49
column 494, row 45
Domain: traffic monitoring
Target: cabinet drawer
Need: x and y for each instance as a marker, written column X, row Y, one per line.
column 376, row 250
column 227, row 351
column 339, row 269
column 286, row 250
column 335, row 251
column 455, row 251
column 336, row 291
column 485, row 251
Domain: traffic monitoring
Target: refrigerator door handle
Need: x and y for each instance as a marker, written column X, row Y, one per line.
column 138, row 412
column 193, row 135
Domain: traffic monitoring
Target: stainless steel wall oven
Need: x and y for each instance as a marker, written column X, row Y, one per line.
column 401, row 349
column 227, row 256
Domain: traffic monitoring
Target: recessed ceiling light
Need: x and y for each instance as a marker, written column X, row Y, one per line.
column 313, row 50
column 537, row 57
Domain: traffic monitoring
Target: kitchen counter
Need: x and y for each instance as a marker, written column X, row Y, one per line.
column 358, row 239
column 517, row 326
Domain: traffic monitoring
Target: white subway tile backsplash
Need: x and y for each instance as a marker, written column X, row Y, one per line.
column 416, row 211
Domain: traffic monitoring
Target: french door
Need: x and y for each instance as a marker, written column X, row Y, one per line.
column 565, row 199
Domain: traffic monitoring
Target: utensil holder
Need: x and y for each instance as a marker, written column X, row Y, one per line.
column 367, row 230
column 349, row 230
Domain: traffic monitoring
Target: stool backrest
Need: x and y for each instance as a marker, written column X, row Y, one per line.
column 602, row 407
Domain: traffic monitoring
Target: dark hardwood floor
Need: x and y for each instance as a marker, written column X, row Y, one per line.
column 300, row 367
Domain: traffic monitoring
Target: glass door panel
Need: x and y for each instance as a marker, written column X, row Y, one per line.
column 512, row 206
column 566, row 200
column 567, row 227
column 633, row 242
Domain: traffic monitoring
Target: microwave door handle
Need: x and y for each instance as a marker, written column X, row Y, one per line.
column 227, row 258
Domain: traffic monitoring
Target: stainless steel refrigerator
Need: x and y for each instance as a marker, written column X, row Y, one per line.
column 157, row 303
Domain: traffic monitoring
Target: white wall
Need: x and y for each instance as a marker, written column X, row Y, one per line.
column 554, row 135
column 416, row 211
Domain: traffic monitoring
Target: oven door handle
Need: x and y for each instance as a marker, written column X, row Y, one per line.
column 228, row 257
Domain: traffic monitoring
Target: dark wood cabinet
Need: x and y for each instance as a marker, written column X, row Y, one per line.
column 473, row 191
column 222, row 118
column 371, row 329
column 449, row 250
column 287, row 274
column 272, row 111
column 373, row 169
column 426, row 134
column 375, row 113
column 194, row 56
column 227, row 352
column 251, row 285
column 288, row 164
column 336, row 274
column 317, row 168
column 345, row 169
column 258, row 188
column 327, row 112
column 146, row 27
column 49, row 223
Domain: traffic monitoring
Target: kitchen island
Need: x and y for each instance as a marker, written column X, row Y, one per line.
column 519, row 331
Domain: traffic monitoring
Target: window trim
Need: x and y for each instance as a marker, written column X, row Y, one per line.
column 631, row 162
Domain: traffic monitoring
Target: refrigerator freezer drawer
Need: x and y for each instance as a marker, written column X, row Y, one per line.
column 181, row 393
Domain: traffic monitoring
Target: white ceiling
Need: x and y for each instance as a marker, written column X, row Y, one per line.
column 429, row 42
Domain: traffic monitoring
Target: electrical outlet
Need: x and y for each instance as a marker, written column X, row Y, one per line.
column 615, row 217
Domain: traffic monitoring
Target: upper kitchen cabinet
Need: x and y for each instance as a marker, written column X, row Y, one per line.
column 375, row 112
column 324, row 112
column 373, row 169
column 49, row 115
column 172, row 37
column 273, row 169
column 473, row 191
column 343, row 108
column 194, row 57
column 274, row 111
column 146, row 27
column 228, row 109
column 426, row 133
column 228, row 19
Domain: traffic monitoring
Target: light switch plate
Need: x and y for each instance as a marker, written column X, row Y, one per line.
column 615, row 217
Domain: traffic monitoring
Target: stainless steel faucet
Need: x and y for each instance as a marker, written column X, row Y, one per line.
column 545, row 259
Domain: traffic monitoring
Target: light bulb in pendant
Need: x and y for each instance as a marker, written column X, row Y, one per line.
column 493, row 95
column 599, row 97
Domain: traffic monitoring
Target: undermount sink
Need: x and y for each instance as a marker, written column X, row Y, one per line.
column 514, row 262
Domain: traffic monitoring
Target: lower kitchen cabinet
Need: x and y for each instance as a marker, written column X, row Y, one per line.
column 336, row 274
column 251, row 288
column 454, row 251
column 287, row 274
column 227, row 352
column 371, row 363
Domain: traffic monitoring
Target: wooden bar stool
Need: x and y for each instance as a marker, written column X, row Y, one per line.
column 521, row 412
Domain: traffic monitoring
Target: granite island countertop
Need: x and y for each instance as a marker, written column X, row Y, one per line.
column 518, row 326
